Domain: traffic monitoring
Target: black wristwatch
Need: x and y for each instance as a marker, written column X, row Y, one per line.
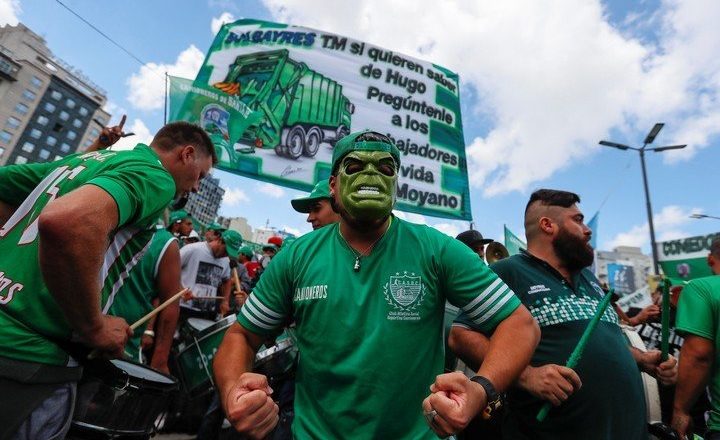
column 494, row 399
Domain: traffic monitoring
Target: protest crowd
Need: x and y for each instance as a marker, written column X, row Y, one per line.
column 121, row 317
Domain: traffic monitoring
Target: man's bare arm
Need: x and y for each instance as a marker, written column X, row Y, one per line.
column 6, row 211
column 469, row 345
column 696, row 360
column 168, row 284
column 73, row 233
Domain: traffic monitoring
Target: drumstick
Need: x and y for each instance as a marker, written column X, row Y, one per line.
column 207, row 297
column 665, row 321
column 93, row 354
column 158, row 309
column 580, row 347
column 238, row 287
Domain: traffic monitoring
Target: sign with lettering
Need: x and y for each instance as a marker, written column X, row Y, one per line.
column 686, row 258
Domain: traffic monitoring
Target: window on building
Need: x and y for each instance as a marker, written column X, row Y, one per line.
column 35, row 82
column 87, row 143
column 5, row 136
column 44, row 154
column 28, row 95
column 2, row 150
column 77, row 123
column 71, row 135
column 51, row 140
column 65, row 147
column 50, row 107
column 21, row 160
column 57, row 157
column 28, row 147
column 35, row 133
column 42, row 120
column 56, row 95
column 12, row 122
column 21, row 108
column 64, row 115
column 83, row 111
column 70, row 103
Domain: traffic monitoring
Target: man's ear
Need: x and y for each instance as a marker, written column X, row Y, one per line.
column 333, row 181
column 546, row 225
column 187, row 153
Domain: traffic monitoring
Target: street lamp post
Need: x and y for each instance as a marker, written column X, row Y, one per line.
column 704, row 216
column 641, row 151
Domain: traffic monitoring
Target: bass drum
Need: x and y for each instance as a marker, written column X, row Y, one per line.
column 652, row 395
column 120, row 399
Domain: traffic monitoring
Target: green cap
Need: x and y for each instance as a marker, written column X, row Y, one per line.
column 364, row 141
column 233, row 242
column 245, row 250
column 305, row 204
column 178, row 216
column 216, row 227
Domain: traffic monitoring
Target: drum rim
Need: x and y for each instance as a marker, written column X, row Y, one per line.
column 145, row 382
column 97, row 428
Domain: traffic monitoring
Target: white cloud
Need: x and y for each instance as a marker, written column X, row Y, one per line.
column 551, row 80
column 450, row 229
column 142, row 135
column 147, row 87
column 271, row 190
column 411, row 217
column 9, row 11
column 217, row 22
column 234, row 197
column 668, row 225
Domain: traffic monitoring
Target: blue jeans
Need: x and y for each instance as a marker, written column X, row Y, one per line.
column 51, row 419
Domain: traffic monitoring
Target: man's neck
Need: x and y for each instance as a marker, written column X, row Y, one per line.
column 361, row 238
column 546, row 253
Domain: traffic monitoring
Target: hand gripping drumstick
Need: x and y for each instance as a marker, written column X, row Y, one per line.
column 93, row 354
column 580, row 347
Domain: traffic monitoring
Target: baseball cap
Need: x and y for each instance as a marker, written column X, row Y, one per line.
column 305, row 204
column 194, row 234
column 364, row 141
column 233, row 242
column 245, row 250
column 471, row 237
column 275, row 240
column 216, row 227
column 178, row 216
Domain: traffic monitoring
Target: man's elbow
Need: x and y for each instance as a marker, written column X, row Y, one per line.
column 53, row 225
column 523, row 322
column 455, row 338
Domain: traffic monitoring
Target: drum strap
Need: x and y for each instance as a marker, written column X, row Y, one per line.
column 18, row 400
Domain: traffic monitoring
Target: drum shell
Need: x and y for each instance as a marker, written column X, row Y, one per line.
column 112, row 402
column 193, row 357
column 650, row 386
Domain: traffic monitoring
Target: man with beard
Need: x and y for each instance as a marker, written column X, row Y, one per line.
column 602, row 398
column 368, row 296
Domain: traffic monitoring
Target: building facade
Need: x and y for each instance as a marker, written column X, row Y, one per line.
column 48, row 109
column 205, row 204
column 239, row 224
column 625, row 268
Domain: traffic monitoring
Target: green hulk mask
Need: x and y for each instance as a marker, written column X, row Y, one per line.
column 368, row 184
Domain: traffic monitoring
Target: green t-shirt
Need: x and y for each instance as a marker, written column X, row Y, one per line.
column 134, row 299
column 29, row 316
column 698, row 312
column 610, row 405
column 371, row 341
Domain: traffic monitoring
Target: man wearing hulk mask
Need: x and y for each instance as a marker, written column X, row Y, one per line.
column 368, row 297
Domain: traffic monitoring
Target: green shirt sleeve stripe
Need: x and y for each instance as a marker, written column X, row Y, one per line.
column 489, row 300
column 498, row 313
column 482, row 296
column 248, row 315
column 270, row 313
column 260, row 315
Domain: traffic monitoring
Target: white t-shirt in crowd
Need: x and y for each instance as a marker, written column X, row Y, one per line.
column 202, row 273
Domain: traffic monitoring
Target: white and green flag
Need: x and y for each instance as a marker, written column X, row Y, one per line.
column 312, row 87
column 686, row 258
column 512, row 242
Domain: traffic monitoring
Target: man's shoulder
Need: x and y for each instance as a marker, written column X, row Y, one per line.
column 709, row 284
column 163, row 235
column 513, row 263
column 423, row 234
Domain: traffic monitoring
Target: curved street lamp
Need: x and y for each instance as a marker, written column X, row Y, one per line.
column 648, row 140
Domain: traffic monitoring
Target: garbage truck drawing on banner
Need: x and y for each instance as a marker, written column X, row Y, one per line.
column 300, row 107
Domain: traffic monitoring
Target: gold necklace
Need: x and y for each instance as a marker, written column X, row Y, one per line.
column 356, row 266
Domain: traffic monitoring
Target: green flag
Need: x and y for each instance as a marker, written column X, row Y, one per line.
column 686, row 258
column 512, row 242
column 224, row 117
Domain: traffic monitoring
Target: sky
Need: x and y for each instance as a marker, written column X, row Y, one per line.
column 541, row 84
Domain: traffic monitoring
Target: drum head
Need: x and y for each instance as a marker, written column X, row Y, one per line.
column 142, row 372
column 198, row 324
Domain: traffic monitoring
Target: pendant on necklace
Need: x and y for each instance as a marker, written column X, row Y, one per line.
column 356, row 267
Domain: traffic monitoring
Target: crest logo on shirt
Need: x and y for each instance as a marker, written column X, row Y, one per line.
column 404, row 292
